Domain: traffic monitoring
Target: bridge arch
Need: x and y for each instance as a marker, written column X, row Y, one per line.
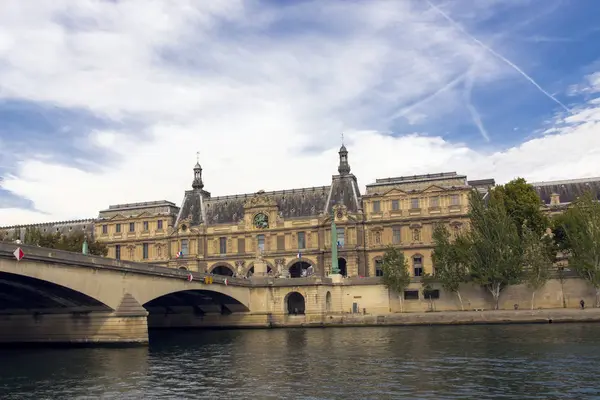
column 21, row 292
column 200, row 301
column 111, row 282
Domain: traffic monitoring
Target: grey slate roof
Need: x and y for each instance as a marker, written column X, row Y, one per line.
column 568, row 190
column 293, row 203
column 344, row 190
column 192, row 207
column 199, row 207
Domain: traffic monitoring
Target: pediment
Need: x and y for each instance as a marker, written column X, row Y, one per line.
column 117, row 217
column 433, row 189
column 144, row 214
column 395, row 192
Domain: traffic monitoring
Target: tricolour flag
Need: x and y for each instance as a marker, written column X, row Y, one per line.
column 299, row 255
column 179, row 254
column 226, row 282
column 190, row 277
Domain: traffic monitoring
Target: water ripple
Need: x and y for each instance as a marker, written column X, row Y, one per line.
column 483, row 362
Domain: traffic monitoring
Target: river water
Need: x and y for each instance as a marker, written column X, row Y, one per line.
column 460, row 362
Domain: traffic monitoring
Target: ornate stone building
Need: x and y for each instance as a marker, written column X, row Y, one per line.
column 290, row 230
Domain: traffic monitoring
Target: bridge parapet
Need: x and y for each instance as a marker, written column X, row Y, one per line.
column 46, row 255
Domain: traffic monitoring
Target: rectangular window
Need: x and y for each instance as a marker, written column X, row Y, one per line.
column 432, row 294
column 281, row 242
column 396, row 235
column 454, row 200
column 418, row 265
column 414, row 203
column 301, row 240
column 184, row 247
column 260, row 239
column 118, row 252
column 395, row 205
column 241, row 245
column 145, row 251
column 159, row 224
column 118, row 228
column 145, row 226
column 411, row 295
column 378, row 267
column 104, row 229
column 132, row 227
column 377, row 206
column 434, row 201
column 341, row 239
column 222, row 245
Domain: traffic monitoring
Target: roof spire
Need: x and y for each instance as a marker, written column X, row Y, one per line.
column 344, row 167
column 197, row 183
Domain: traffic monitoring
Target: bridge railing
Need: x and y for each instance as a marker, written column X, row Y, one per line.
column 54, row 256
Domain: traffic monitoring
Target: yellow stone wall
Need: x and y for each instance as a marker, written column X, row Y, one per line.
column 398, row 221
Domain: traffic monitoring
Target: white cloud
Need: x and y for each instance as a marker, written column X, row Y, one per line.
column 249, row 102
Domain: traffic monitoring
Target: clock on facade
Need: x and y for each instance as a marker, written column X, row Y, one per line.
column 261, row 221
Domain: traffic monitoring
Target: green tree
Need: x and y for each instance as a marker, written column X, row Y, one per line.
column 72, row 242
column 494, row 249
column 538, row 260
column 581, row 224
column 522, row 204
column 450, row 260
column 395, row 271
column 427, row 281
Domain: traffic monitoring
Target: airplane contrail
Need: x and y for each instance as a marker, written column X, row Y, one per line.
column 507, row 61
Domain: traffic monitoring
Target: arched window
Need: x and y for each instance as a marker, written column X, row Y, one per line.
column 418, row 265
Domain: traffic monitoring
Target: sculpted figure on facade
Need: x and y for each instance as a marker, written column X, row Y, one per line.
column 239, row 268
column 279, row 266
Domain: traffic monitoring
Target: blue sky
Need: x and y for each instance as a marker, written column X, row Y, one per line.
column 108, row 102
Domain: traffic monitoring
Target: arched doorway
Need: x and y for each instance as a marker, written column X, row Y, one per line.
column 251, row 271
column 295, row 304
column 222, row 270
column 183, row 268
column 299, row 269
column 328, row 302
column 342, row 266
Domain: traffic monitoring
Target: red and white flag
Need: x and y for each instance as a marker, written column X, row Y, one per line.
column 19, row 254
column 190, row 277
column 226, row 282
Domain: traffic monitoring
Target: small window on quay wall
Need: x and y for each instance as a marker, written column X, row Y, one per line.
column 411, row 295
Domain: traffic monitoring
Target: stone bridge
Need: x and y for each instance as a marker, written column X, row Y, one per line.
column 57, row 296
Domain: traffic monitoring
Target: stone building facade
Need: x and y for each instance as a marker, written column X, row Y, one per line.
column 290, row 230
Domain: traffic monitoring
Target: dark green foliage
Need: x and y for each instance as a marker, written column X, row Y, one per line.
column 493, row 246
column 581, row 225
column 522, row 204
column 450, row 260
column 72, row 242
column 395, row 270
